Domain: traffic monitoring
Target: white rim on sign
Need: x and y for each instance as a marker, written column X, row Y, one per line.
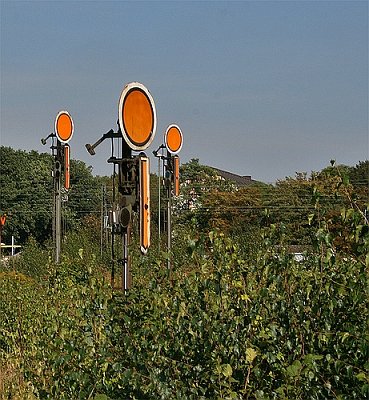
column 56, row 126
column 166, row 137
column 128, row 89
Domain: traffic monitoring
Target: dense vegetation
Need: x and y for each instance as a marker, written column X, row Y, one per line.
column 27, row 195
column 239, row 317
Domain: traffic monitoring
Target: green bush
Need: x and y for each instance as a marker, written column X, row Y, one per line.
column 225, row 326
column 33, row 260
column 54, row 331
column 271, row 329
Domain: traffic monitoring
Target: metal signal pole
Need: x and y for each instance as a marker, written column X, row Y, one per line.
column 102, row 221
column 126, row 270
column 169, row 226
column 57, row 194
column 159, row 157
column 173, row 143
column 57, row 219
column 64, row 128
column 113, row 225
column 169, row 174
column 159, row 208
column 168, row 183
column 57, row 153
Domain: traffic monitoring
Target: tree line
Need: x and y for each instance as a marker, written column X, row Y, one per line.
column 206, row 200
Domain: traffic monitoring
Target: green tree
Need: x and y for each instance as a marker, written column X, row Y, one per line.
column 359, row 175
column 359, row 178
column 26, row 187
column 197, row 181
column 26, row 193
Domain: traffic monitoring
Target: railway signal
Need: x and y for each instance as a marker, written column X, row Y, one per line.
column 64, row 127
column 136, row 131
column 173, row 141
column 137, row 116
column 63, row 132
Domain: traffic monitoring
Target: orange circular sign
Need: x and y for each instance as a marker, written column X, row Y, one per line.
column 173, row 139
column 64, row 126
column 137, row 116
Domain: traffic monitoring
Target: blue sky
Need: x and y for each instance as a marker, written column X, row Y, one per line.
column 258, row 88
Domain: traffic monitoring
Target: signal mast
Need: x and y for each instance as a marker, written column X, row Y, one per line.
column 63, row 132
column 173, row 140
column 136, row 130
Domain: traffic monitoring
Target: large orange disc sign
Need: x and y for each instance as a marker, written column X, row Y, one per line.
column 64, row 126
column 137, row 116
column 173, row 139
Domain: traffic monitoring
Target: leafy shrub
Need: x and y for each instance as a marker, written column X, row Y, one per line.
column 273, row 328
column 54, row 332
column 33, row 261
column 260, row 326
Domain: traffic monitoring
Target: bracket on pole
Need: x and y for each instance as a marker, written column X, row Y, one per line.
column 108, row 135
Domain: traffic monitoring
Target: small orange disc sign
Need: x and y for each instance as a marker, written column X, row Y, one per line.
column 137, row 116
column 64, row 126
column 173, row 139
